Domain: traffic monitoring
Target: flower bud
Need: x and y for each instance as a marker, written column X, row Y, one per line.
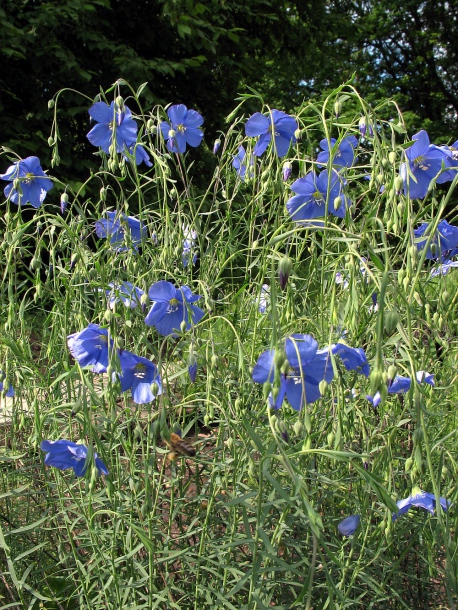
column 298, row 134
column 376, row 379
column 154, row 389
column 391, row 321
column 50, row 104
column 63, row 202
column 108, row 315
column 391, row 372
column 214, row 361
column 119, row 101
column 323, row 387
column 392, row 157
column 279, row 358
column 284, row 270
column 330, row 438
column 183, row 326
column 298, row 428
column 172, row 133
column 337, row 203
column 50, row 141
column 362, row 126
column 418, row 435
column 337, row 107
column 266, row 388
column 150, row 126
column 73, row 260
column 216, row 146
column 287, row 169
column 408, row 465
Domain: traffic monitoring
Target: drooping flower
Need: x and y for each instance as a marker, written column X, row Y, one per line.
column 90, row 347
column 421, row 499
column 312, row 194
column 10, row 391
column 401, row 385
column 216, row 146
column 344, row 155
column 124, row 231
column 278, row 124
column 125, row 292
column 192, row 367
column 171, row 307
column 63, row 454
column 241, row 164
column 424, row 161
column 114, row 123
column 190, row 236
column 451, row 161
column 138, row 374
column 264, row 298
column 34, row 184
column 444, row 240
column 308, row 366
column 183, row 128
column 443, row 268
column 362, row 126
column 287, row 169
column 349, row 525
column 353, row 358
column 140, row 154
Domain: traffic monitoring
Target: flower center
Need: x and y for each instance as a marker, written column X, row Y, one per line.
column 28, row 177
column 103, row 340
column 140, row 370
column 173, row 303
column 181, row 128
column 318, row 197
column 421, row 163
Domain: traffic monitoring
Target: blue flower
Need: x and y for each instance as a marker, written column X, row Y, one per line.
column 307, row 367
column 444, row 240
column 172, row 306
column 264, row 298
column 278, row 124
column 89, row 347
column 353, row 358
column 216, row 146
column 141, row 156
column 64, row 454
column 10, row 391
column 363, row 128
column 183, row 128
column 123, row 231
column 34, row 184
column 312, row 194
column 349, row 525
column 443, row 268
column 424, row 162
column 189, row 241
column 125, row 292
column 344, row 155
column 241, row 164
column 286, row 172
column 401, row 385
column 451, row 161
column 112, row 121
column 421, row 499
column 374, row 400
column 138, row 374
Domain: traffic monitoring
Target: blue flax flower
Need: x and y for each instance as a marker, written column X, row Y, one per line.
column 125, row 292
column 241, row 164
column 183, row 128
column 401, row 385
column 349, row 525
column 113, row 122
column 344, row 155
column 444, row 240
column 34, row 184
column 424, row 162
column 64, row 454
column 443, row 268
column 307, row 367
column 450, row 161
column 353, row 358
column 139, row 153
column 138, row 374
column 421, row 499
column 190, row 236
column 172, row 306
column 312, row 193
column 89, row 347
column 123, row 231
column 278, row 124
column 192, row 367
column 10, row 391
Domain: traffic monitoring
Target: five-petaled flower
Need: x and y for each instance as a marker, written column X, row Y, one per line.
column 349, row 525
column 63, row 454
column 113, row 123
column 312, row 194
column 138, row 374
column 183, row 128
column 401, row 385
column 29, row 183
column 89, row 347
column 353, row 358
column 307, row 367
column 342, row 154
column 278, row 124
column 421, row 499
column 424, row 162
column 171, row 307
column 124, row 231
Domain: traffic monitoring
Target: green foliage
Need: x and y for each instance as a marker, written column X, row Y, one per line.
column 251, row 521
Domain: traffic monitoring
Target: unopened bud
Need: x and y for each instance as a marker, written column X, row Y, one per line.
column 391, row 372
column 298, row 428
column 63, row 202
column 337, row 107
column 154, row 389
column 183, row 326
column 119, row 101
column 50, row 104
column 287, row 169
column 172, row 133
column 337, row 203
column 216, row 146
column 279, row 358
column 323, row 387
column 392, row 157
column 284, row 271
column 214, row 361
column 50, row 141
column 266, row 388
column 391, row 321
